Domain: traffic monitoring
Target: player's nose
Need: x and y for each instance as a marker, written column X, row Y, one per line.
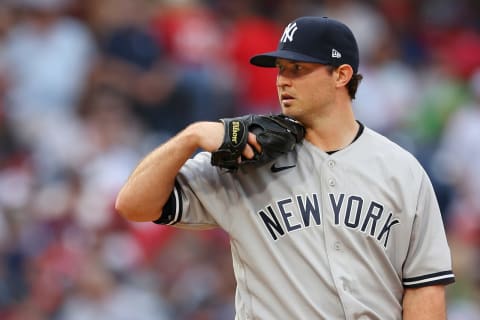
column 283, row 81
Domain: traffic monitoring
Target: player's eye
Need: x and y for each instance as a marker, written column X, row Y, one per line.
column 298, row 67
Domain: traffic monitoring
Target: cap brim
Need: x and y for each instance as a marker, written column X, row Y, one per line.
column 268, row 59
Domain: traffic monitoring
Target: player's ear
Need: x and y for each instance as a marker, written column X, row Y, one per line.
column 344, row 73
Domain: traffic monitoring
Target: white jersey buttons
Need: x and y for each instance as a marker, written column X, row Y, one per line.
column 331, row 163
column 346, row 285
column 337, row 245
column 331, row 182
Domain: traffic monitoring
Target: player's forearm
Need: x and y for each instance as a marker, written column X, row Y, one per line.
column 147, row 189
column 424, row 303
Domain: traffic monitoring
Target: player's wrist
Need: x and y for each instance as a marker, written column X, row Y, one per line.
column 205, row 135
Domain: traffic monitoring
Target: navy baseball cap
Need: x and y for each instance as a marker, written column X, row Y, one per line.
column 314, row 39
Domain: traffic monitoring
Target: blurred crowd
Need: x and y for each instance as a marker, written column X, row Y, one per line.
column 88, row 87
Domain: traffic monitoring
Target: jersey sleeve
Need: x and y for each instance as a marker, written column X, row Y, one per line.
column 172, row 210
column 428, row 260
column 200, row 196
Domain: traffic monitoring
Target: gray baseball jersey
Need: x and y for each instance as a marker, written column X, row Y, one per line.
column 320, row 236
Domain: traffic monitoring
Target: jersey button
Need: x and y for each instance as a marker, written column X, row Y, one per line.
column 331, row 182
column 337, row 245
column 331, row 163
column 346, row 285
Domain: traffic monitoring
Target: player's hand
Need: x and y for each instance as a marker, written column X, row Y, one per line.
column 252, row 146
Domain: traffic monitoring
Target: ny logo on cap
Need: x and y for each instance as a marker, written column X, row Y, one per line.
column 336, row 54
column 289, row 32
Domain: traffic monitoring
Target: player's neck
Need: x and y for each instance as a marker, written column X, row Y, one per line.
column 333, row 133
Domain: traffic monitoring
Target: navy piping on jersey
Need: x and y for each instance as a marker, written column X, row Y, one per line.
column 444, row 278
column 172, row 211
column 359, row 133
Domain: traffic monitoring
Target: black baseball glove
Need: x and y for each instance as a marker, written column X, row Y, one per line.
column 277, row 135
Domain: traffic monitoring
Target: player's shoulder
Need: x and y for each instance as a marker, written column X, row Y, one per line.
column 384, row 148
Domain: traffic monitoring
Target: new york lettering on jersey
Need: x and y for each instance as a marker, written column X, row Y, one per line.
column 349, row 211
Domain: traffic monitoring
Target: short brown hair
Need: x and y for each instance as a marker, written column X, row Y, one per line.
column 353, row 84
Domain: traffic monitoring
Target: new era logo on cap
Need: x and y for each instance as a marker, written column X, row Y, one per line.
column 314, row 39
column 336, row 54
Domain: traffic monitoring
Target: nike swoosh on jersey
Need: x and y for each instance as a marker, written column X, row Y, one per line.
column 274, row 168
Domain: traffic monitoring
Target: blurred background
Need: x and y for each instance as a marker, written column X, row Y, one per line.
column 87, row 88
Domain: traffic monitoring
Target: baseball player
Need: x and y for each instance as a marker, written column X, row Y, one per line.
column 327, row 219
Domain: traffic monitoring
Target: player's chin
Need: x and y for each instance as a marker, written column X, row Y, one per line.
column 293, row 112
column 289, row 109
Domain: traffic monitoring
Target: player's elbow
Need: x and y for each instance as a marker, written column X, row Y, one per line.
column 123, row 208
column 135, row 210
